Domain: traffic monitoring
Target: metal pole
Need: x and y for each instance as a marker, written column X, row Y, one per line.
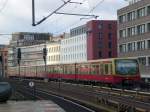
column 45, row 67
column 19, row 71
column 36, row 71
column 59, row 77
column 2, row 68
column 33, row 13
column 75, row 72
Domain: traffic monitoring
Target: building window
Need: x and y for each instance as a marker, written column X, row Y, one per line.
column 100, row 35
column 131, row 31
column 148, row 44
column 140, row 45
column 109, row 45
column 129, row 47
column 149, row 61
column 122, row 18
column 100, row 54
column 100, row 26
column 141, row 29
column 109, row 36
column 122, row 48
column 100, row 44
column 148, row 27
column 134, row 46
column 141, row 12
column 110, row 26
column 148, row 10
column 131, row 16
column 122, row 33
column 142, row 60
column 110, row 54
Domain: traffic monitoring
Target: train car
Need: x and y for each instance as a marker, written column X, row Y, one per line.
column 110, row 71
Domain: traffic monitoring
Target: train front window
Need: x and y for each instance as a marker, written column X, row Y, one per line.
column 126, row 66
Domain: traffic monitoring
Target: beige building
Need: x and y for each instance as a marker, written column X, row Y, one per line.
column 134, row 33
column 53, row 53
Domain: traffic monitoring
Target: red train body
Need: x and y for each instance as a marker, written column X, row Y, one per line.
column 112, row 71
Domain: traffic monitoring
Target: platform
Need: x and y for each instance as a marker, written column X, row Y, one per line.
column 30, row 106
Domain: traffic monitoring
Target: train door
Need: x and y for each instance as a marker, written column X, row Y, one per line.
column 108, row 69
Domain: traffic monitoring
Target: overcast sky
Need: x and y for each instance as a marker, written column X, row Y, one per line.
column 16, row 16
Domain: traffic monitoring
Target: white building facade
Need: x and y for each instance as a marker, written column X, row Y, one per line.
column 74, row 49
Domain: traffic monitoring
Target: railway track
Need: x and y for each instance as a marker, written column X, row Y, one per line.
column 39, row 94
column 123, row 99
column 136, row 94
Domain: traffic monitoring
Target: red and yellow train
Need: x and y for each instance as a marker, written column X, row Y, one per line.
column 110, row 71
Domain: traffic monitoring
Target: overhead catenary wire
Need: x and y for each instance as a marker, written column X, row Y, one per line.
column 91, row 10
column 4, row 5
column 101, row 1
column 72, row 24
column 68, row 26
column 54, row 12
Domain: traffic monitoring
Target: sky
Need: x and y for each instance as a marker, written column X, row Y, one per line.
column 16, row 15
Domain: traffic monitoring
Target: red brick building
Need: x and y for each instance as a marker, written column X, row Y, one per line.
column 3, row 62
column 101, row 39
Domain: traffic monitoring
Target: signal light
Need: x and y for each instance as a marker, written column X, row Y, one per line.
column 1, row 59
column 19, row 55
column 44, row 52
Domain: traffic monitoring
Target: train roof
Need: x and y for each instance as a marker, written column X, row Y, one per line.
column 87, row 62
column 98, row 60
column 110, row 59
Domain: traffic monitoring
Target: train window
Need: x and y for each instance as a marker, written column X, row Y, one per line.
column 110, row 68
column 65, row 70
column 69, row 70
column 106, row 69
column 87, row 69
column 60, row 69
column 49, row 69
column 56, row 69
column 73, row 69
column 77, row 71
column 83, row 69
column 92, row 69
column 101, row 69
column 97, row 69
column 53, row 71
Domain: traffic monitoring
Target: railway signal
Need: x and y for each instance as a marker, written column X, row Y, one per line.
column 1, row 59
column 19, row 58
column 44, row 54
column 19, row 55
column 44, row 57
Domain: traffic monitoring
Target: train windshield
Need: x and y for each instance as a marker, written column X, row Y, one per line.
column 126, row 66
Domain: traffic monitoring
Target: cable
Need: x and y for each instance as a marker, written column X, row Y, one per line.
column 80, row 18
column 4, row 5
column 65, row 28
column 96, row 6
column 58, row 31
